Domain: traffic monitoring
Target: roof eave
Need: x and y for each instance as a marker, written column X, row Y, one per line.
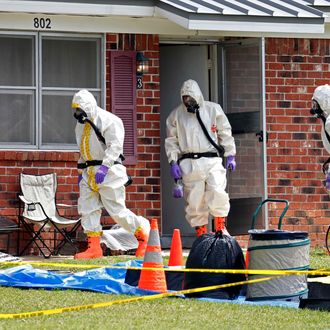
column 71, row 8
column 201, row 22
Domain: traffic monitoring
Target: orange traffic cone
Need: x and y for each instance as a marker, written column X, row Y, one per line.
column 153, row 279
column 176, row 250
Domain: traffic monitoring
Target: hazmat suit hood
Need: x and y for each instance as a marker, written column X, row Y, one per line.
column 322, row 97
column 86, row 101
column 191, row 88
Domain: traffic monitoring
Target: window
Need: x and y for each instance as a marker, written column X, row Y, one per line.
column 39, row 75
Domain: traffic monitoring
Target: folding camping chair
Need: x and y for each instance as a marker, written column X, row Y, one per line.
column 38, row 213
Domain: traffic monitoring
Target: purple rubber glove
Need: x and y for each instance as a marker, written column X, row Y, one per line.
column 231, row 163
column 175, row 171
column 101, row 173
column 79, row 178
column 177, row 190
column 327, row 181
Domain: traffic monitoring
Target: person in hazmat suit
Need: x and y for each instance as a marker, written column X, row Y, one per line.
column 196, row 160
column 321, row 109
column 102, row 178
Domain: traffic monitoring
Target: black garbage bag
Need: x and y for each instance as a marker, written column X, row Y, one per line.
column 215, row 251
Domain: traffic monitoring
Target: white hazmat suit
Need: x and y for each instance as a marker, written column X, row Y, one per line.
column 204, row 179
column 111, row 192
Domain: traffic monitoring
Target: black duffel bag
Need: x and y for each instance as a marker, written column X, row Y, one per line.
column 215, row 251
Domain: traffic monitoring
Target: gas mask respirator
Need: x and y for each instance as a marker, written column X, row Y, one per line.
column 191, row 105
column 316, row 110
column 80, row 115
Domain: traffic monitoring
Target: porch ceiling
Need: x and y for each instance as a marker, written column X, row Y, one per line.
column 261, row 17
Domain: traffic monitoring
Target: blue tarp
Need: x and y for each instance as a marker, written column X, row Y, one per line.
column 106, row 280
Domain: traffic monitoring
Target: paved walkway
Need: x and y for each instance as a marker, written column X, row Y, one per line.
column 33, row 258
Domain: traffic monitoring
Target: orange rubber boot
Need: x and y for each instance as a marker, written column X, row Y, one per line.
column 201, row 230
column 220, row 225
column 142, row 235
column 94, row 249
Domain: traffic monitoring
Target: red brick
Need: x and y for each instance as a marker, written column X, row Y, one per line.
column 301, row 58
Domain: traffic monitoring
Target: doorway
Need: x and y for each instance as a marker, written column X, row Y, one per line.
column 242, row 98
column 221, row 79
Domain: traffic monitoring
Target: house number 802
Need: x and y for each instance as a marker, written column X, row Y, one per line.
column 42, row 23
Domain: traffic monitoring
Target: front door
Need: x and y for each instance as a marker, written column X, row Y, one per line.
column 178, row 63
column 240, row 94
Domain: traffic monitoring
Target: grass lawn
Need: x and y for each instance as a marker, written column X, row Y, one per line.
column 166, row 313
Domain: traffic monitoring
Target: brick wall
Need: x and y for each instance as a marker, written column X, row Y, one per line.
column 143, row 196
column 294, row 68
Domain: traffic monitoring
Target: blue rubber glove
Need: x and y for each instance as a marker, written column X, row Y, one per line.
column 79, row 179
column 231, row 163
column 175, row 171
column 177, row 190
column 101, row 173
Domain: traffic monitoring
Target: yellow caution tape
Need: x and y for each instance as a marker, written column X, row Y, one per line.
column 201, row 270
column 123, row 301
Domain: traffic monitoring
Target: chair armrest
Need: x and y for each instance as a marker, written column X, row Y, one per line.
column 24, row 200
column 31, row 205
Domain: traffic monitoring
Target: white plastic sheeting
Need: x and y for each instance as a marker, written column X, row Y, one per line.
column 117, row 238
column 4, row 257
